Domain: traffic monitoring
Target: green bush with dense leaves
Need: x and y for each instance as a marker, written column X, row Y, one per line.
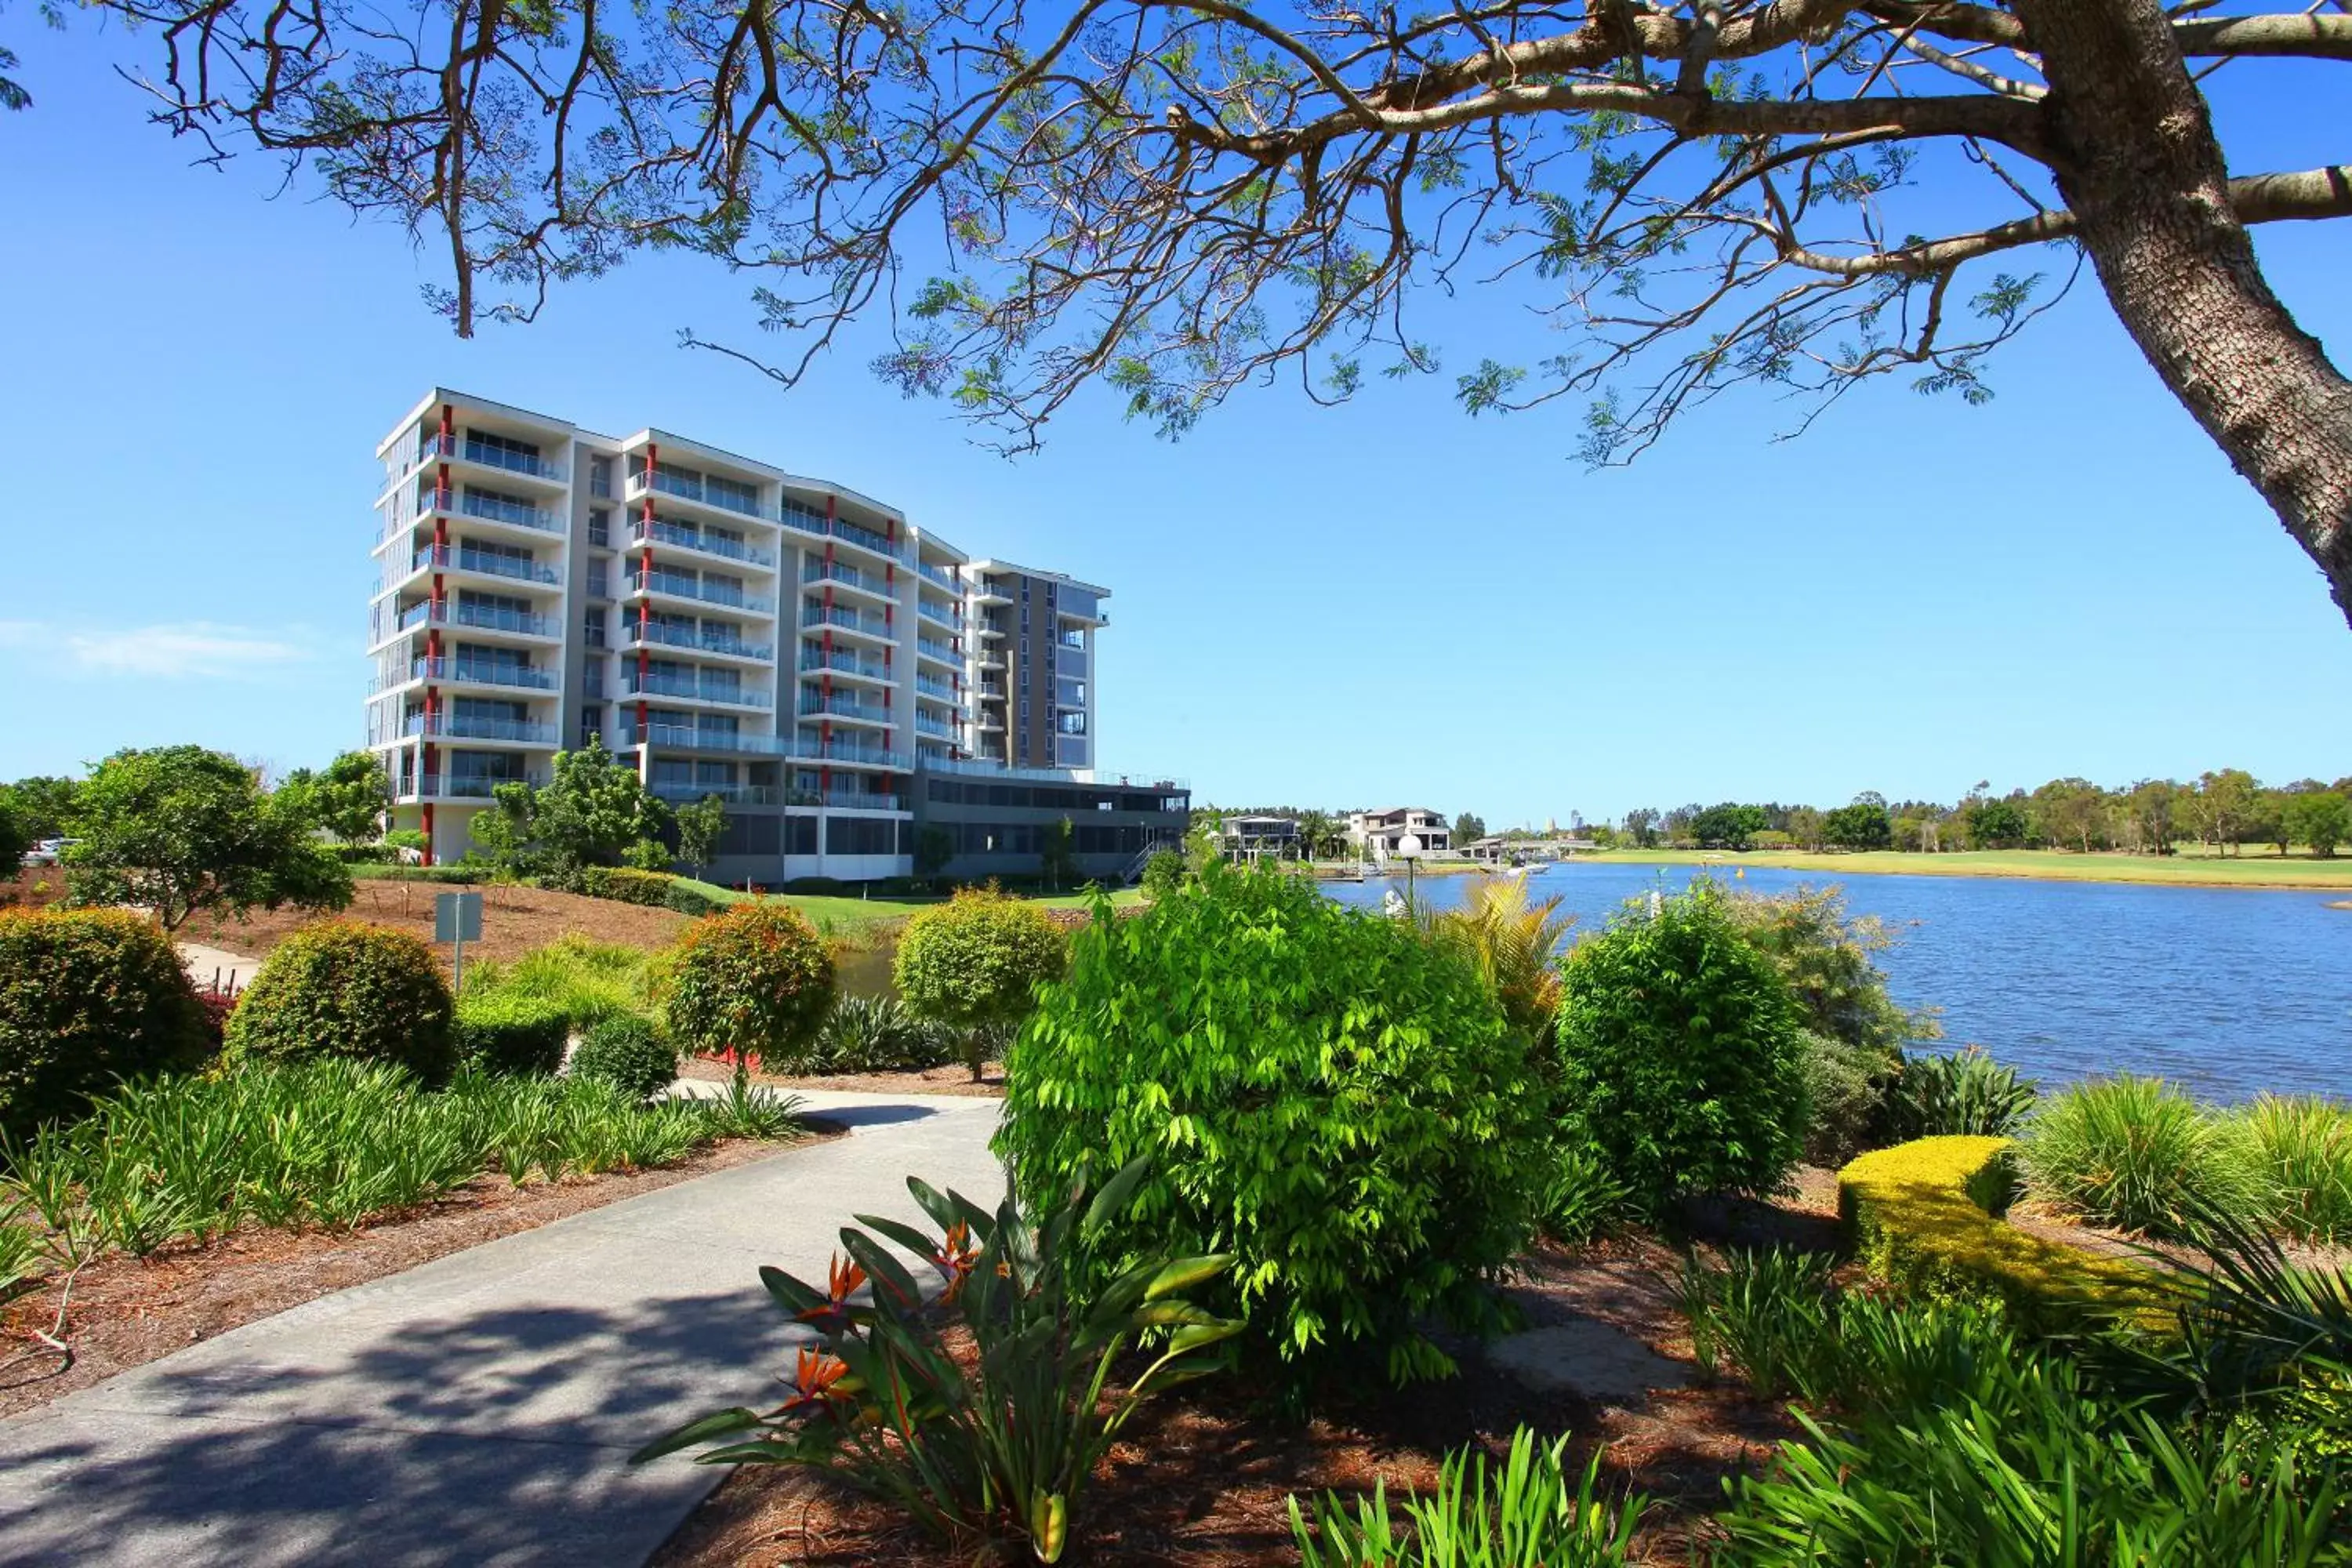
column 628, row 1053
column 344, row 988
column 512, row 1032
column 1330, row 1096
column 1956, row 1094
column 626, row 886
column 688, row 899
column 588, row 981
column 973, row 965
column 877, row 1034
column 87, row 998
column 1680, row 1057
column 2135, row 1153
column 754, row 979
column 1163, row 873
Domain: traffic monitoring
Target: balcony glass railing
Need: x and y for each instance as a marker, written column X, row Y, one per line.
column 672, row 484
column 475, row 451
column 940, row 614
column 634, row 634
column 932, row 686
column 442, row 557
column 847, row 576
column 941, row 575
column 481, row 672
column 926, row 725
column 846, row 663
column 865, row 756
column 842, row 707
column 460, row 786
column 931, row 647
column 854, row 533
column 686, row 737
column 700, row 690
column 460, row 727
column 684, row 587
column 859, row 799
column 733, row 794
column 490, row 509
column 848, row 620
column 482, row 617
column 692, row 539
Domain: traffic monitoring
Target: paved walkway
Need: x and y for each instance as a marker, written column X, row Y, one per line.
column 213, row 967
column 476, row 1410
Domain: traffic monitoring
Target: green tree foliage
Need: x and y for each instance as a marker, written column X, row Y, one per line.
column 348, row 799
column 87, row 997
column 1057, row 857
column 1642, row 826
column 1681, row 1054
column 1333, row 1098
column 1515, row 945
column 700, row 827
column 593, row 809
column 1728, row 825
column 346, row 988
column 1468, row 828
column 1163, row 874
column 2069, row 813
column 15, row 837
column 974, row 963
column 1322, row 836
column 2322, row 820
column 754, row 979
column 934, row 847
column 43, row 804
column 1997, row 824
column 180, row 830
column 1863, row 825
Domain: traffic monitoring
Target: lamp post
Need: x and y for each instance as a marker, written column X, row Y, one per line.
column 1408, row 851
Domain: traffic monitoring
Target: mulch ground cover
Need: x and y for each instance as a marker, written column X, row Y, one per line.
column 954, row 1078
column 1204, row 1478
column 126, row 1311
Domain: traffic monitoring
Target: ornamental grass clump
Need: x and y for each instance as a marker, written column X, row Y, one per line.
column 994, row 1450
column 89, row 998
column 1333, row 1098
column 2135, row 1153
column 2296, row 1154
column 346, row 988
column 1680, row 1059
column 755, row 979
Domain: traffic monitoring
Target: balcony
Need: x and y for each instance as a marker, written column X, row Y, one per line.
column 860, row 757
column 691, row 690
column 678, row 538
column 932, row 648
column 847, row 620
column 993, row 658
column 456, row 727
column 457, row 786
column 950, row 618
column 490, row 509
column 857, row 799
column 688, row 738
column 733, row 794
column 634, row 633
column 481, row 617
column 988, row 590
column 491, row 456
column 848, row 577
column 926, row 725
column 932, row 686
column 852, row 533
column 678, row 586
column 694, row 490
column 941, row 575
column 841, row 661
column 842, row 706
column 443, row 558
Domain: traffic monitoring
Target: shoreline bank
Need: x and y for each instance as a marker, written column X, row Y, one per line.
column 2265, row 874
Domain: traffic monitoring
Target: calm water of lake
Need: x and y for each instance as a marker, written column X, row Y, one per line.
column 2223, row 990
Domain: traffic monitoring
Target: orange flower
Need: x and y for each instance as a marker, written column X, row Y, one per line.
column 955, row 1257
column 813, row 1384
column 842, row 1280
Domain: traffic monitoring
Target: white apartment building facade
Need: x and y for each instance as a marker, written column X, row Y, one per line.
column 732, row 628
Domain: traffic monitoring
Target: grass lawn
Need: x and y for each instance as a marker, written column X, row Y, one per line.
column 841, row 912
column 2191, row 866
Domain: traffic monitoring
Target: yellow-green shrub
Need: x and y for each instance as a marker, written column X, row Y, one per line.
column 1926, row 1216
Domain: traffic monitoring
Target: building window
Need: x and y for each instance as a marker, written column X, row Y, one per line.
column 600, row 476
column 600, row 525
column 860, row 836
column 593, row 626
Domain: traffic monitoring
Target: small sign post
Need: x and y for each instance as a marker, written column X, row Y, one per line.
column 458, row 918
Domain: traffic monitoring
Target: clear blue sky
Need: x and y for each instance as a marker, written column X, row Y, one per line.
column 1388, row 602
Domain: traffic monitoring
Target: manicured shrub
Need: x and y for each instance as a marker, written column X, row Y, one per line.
column 757, row 978
column 1332, row 1098
column 689, row 900
column 1845, row 1094
column 973, row 965
column 344, row 988
column 627, row 886
column 1924, row 1216
column 1163, row 873
column 1680, row 1057
column 2135, row 1153
column 1957, row 1094
column 512, row 1032
column 629, row 1054
column 2297, row 1157
column 588, row 981
column 876, row 1033
column 88, row 997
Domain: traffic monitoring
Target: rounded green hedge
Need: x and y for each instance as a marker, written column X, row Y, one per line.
column 973, row 965
column 757, row 978
column 1681, row 1061
column 506, row 1032
column 346, row 988
column 1329, row 1096
column 629, row 1054
column 87, row 998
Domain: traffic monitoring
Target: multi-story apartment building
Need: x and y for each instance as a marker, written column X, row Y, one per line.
column 802, row 651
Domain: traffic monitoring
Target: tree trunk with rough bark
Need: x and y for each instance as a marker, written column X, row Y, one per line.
column 2132, row 145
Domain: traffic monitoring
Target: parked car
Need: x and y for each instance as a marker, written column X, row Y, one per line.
column 48, row 852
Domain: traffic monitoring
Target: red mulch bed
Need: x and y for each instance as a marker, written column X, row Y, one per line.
column 954, row 1078
column 127, row 1312
column 1203, row 1479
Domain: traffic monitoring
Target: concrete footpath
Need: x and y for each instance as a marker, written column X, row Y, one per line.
column 478, row 1409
